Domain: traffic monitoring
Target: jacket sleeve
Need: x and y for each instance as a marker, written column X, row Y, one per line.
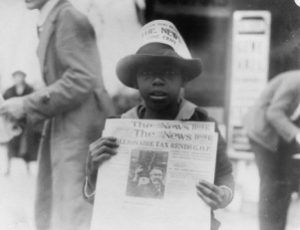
column 282, row 106
column 77, row 55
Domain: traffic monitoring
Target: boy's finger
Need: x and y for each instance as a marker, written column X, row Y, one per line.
column 205, row 190
column 103, row 150
column 103, row 139
column 210, row 186
column 108, row 143
column 216, row 189
column 207, row 200
column 100, row 140
column 209, row 193
column 105, row 142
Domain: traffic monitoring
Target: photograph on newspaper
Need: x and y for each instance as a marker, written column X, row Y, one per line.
column 147, row 170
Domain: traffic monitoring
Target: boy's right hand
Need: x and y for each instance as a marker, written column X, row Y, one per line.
column 100, row 151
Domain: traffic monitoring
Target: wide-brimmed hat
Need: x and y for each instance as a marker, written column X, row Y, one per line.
column 160, row 43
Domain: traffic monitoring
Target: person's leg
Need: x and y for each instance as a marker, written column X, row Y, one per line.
column 284, row 189
column 269, row 205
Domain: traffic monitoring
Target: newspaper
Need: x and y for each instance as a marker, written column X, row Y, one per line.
column 160, row 124
column 151, row 182
column 8, row 129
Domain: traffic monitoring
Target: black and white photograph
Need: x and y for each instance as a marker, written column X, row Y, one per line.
column 147, row 174
column 67, row 66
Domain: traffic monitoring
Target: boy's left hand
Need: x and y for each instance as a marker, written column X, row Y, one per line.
column 213, row 195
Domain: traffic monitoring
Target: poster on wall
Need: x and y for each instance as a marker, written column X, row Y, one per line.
column 249, row 70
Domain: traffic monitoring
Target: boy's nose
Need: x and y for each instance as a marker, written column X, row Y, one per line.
column 158, row 81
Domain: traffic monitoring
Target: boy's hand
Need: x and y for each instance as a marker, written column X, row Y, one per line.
column 213, row 195
column 100, row 151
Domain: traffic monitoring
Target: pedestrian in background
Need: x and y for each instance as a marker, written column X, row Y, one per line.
column 25, row 145
column 271, row 130
column 74, row 104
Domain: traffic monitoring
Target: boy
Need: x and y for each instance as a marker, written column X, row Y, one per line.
column 159, row 73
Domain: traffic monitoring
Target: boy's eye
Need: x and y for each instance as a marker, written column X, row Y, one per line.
column 146, row 73
column 154, row 73
column 169, row 72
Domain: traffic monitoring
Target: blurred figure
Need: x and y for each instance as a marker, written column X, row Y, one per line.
column 156, row 178
column 147, row 184
column 272, row 132
column 73, row 105
column 26, row 144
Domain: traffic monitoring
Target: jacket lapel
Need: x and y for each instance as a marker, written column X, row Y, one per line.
column 47, row 30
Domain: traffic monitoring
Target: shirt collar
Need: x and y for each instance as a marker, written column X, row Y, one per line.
column 45, row 11
column 186, row 111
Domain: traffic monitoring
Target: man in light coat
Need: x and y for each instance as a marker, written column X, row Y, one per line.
column 271, row 130
column 74, row 104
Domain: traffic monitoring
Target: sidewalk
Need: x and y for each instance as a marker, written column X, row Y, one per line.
column 17, row 199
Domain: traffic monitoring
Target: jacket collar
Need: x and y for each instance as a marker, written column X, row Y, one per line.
column 186, row 111
column 45, row 11
column 48, row 29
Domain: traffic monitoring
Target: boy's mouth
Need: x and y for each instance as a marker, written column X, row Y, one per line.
column 157, row 95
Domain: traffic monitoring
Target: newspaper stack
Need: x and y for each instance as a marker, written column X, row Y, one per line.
column 151, row 182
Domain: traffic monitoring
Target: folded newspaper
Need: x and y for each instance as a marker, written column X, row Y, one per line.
column 8, row 129
column 151, row 182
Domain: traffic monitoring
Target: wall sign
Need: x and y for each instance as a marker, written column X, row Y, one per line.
column 249, row 69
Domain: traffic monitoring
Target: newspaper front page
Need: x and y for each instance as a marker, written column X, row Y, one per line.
column 151, row 182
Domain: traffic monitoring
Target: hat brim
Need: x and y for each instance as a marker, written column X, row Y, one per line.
column 128, row 66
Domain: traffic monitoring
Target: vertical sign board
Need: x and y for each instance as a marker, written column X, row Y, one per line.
column 249, row 70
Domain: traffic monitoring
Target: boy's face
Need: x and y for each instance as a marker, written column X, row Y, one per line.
column 35, row 4
column 159, row 84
